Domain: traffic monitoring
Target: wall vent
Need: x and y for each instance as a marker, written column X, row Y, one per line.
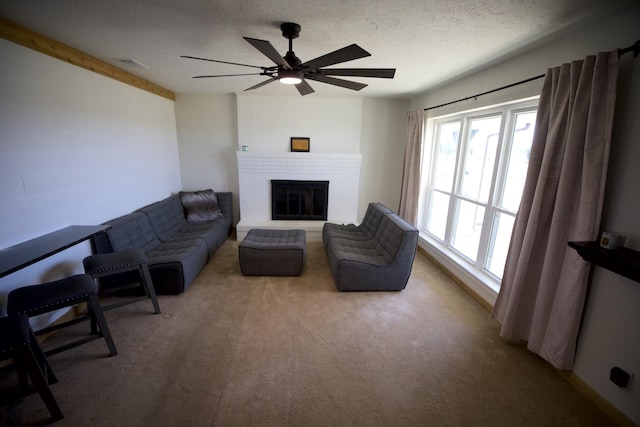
column 132, row 63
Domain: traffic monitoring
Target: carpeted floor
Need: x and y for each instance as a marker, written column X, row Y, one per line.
column 293, row 351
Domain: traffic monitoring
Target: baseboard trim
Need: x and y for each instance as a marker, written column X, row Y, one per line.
column 611, row 411
column 456, row 280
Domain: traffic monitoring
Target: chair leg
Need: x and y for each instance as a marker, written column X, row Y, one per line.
column 41, row 359
column 92, row 320
column 147, row 284
column 23, row 376
column 98, row 316
column 40, row 382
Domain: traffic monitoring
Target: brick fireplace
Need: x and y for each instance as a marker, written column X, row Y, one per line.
column 257, row 170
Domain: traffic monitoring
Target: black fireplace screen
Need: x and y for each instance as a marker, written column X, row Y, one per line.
column 299, row 200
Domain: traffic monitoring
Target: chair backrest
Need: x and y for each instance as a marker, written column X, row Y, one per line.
column 373, row 216
column 132, row 230
column 166, row 216
column 395, row 236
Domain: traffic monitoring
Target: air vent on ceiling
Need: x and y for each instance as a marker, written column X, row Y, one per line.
column 132, row 63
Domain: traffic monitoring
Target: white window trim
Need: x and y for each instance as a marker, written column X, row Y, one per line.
column 485, row 286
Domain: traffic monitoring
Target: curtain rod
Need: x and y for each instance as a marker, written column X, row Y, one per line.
column 635, row 48
column 487, row 92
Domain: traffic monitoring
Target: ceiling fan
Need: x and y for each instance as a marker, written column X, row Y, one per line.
column 291, row 70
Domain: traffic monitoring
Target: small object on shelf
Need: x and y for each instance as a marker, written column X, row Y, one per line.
column 612, row 240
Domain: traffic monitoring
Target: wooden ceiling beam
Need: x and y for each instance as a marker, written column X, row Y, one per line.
column 23, row 36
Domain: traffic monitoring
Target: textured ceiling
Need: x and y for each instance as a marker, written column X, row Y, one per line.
column 427, row 41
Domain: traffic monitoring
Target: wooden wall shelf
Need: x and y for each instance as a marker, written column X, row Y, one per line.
column 623, row 261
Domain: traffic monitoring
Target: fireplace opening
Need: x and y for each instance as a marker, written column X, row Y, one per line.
column 299, row 200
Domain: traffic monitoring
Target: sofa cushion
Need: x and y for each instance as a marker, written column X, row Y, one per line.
column 366, row 251
column 174, row 265
column 166, row 217
column 214, row 233
column 200, row 206
column 132, row 230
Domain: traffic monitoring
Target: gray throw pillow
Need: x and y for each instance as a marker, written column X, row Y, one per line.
column 200, row 206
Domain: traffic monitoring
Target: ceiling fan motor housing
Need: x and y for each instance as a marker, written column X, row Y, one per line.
column 292, row 59
column 290, row 30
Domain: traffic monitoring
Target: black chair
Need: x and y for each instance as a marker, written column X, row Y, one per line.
column 47, row 297
column 115, row 263
column 18, row 342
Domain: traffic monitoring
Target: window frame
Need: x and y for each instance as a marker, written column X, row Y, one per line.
column 509, row 112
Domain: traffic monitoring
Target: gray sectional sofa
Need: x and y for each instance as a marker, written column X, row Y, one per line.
column 376, row 255
column 176, row 250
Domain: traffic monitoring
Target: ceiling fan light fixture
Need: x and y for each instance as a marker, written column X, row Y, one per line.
column 290, row 70
column 290, row 77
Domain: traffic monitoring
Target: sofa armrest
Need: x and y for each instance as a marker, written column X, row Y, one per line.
column 225, row 201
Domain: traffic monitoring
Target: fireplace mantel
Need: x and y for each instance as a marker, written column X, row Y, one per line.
column 306, row 162
column 256, row 170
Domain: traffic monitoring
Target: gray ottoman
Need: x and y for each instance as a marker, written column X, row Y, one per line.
column 272, row 252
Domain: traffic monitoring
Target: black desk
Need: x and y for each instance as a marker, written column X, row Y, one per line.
column 24, row 254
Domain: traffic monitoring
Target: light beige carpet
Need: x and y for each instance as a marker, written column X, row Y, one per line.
column 278, row 351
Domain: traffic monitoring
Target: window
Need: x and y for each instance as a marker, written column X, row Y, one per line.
column 477, row 164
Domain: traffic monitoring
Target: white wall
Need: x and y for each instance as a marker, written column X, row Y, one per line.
column 75, row 148
column 374, row 127
column 267, row 123
column 609, row 334
column 207, row 131
column 384, row 136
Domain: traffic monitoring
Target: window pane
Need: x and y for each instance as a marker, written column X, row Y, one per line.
column 499, row 245
column 518, row 161
column 467, row 228
column 437, row 214
column 485, row 176
column 480, row 158
column 445, row 155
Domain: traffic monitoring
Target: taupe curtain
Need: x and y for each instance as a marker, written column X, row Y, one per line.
column 544, row 283
column 411, row 176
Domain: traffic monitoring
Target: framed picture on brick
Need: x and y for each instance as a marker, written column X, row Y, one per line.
column 300, row 144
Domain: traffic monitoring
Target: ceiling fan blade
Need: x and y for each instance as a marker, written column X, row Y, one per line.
column 384, row 73
column 221, row 62
column 338, row 82
column 261, row 84
column 227, row 75
column 345, row 54
column 269, row 51
column 304, row 88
